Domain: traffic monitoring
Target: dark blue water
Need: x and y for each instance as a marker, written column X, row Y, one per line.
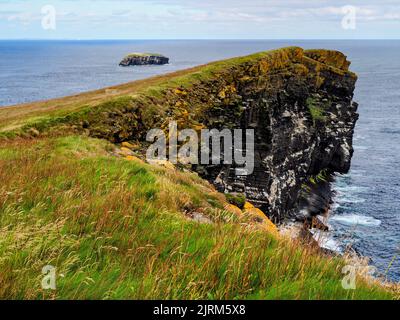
column 367, row 210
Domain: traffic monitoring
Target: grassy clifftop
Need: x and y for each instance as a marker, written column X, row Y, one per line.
column 157, row 97
column 118, row 228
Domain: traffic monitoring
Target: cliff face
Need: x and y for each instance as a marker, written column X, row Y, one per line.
column 298, row 102
column 304, row 120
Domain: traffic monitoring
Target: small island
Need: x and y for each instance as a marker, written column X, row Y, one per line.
column 140, row 59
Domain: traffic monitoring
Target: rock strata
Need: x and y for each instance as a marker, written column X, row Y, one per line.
column 299, row 103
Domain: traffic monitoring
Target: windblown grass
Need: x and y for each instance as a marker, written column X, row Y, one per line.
column 117, row 229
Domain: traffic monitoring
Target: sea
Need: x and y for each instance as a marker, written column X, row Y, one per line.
column 366, row 213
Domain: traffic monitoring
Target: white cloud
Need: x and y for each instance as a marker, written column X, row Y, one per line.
column 225, row 17
column 25, row 18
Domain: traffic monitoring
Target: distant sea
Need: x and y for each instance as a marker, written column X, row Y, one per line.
column 367, row 209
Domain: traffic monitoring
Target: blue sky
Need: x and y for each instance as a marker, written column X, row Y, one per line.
column 200, row 19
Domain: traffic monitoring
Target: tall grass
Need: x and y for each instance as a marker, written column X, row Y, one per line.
column 118, row 229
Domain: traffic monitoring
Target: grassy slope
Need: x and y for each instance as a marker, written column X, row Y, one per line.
column 14, row 117
column 116, row 229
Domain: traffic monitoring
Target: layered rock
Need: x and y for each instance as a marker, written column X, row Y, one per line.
column 299, row 102
column 304, row 124
column 139, row 59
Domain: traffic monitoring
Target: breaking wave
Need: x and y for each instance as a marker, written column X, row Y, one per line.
column 354, row 220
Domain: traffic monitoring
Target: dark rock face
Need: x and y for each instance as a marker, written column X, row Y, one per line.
column 303, row 125
column 143, row 59
column 299, row 103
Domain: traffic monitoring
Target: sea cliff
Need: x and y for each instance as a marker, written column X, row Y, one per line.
column 76, row 192
column 299, row 102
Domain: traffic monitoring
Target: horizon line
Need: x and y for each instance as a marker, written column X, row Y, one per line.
column 196, row 39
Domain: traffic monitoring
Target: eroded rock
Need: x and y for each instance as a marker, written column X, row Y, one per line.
column 299, row 103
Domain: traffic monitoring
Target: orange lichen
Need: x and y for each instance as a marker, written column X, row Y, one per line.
column 226, row 91
column 134, row 158
column 233, row 209
column 248, row 206
column 263, row 220
column 331, row 58
column 180, row 92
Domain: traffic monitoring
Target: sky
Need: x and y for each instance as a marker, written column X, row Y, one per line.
column 199, row 19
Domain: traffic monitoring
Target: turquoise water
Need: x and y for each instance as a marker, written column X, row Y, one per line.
column 367, row 209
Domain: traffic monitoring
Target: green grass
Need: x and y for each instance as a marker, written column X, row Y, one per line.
column 119, row 229
column 116, row 229
column 317, row 112
column 238, row 200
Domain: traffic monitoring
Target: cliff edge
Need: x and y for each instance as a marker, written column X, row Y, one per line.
column 76, row 195
column 299, row 102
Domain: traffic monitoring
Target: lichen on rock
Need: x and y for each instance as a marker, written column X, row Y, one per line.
column 299, row 103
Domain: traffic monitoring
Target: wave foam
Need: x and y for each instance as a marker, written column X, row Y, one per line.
column 354, row 219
